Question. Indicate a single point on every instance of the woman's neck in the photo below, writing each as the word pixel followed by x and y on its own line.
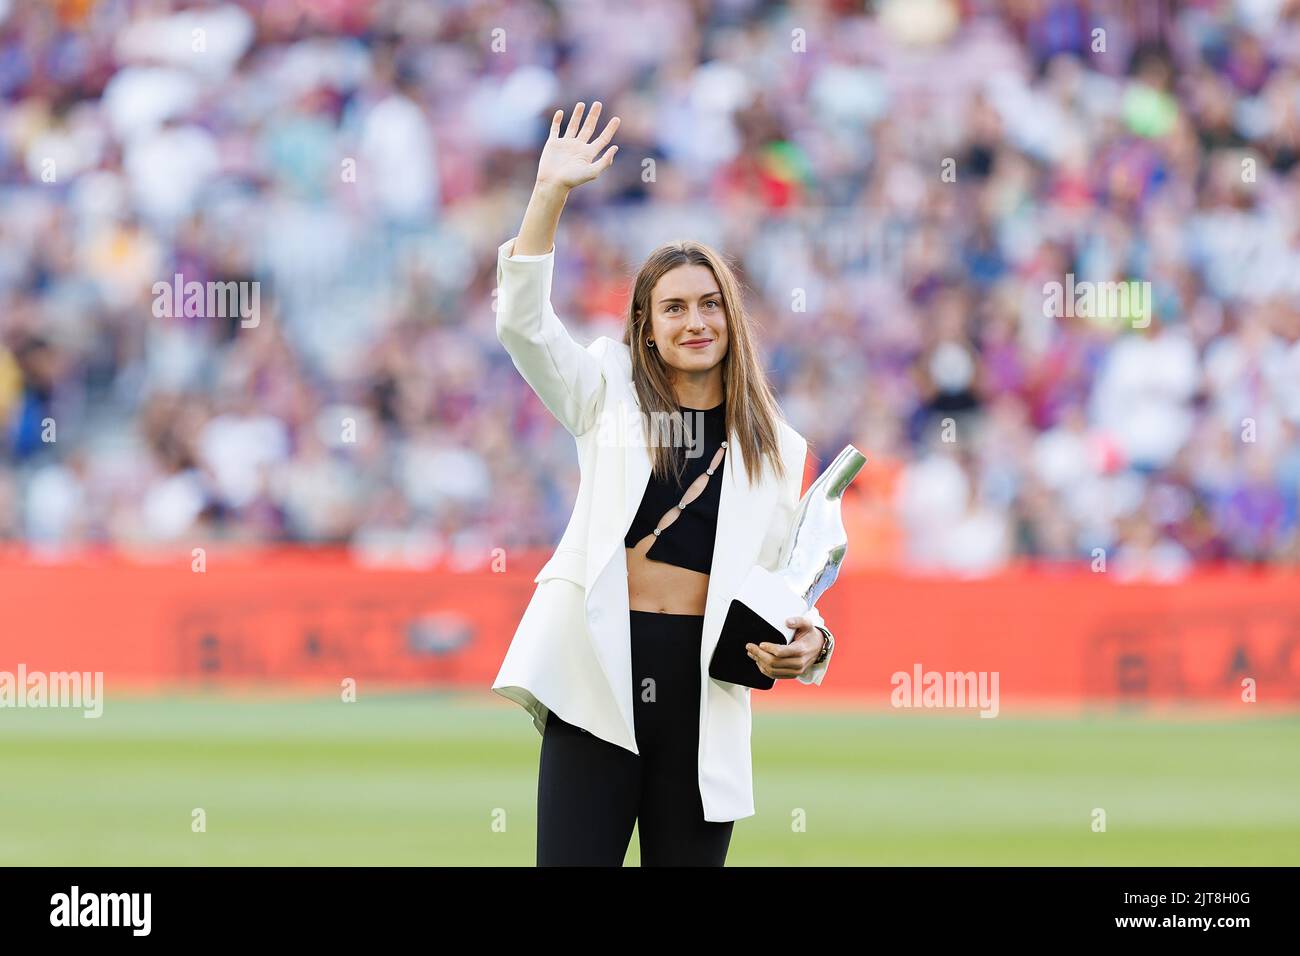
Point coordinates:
pixel 699 394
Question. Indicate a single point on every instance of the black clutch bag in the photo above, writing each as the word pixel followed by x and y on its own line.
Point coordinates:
pixel 730 661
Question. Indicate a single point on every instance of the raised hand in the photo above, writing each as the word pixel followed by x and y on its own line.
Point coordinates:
pixel 570 159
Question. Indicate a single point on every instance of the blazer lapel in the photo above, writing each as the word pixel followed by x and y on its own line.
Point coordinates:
pixel 737 542
pixel 608 617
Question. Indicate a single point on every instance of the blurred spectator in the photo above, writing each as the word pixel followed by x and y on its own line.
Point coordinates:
pixel 921 176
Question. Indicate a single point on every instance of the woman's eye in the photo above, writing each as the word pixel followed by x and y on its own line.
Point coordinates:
pixel 713 303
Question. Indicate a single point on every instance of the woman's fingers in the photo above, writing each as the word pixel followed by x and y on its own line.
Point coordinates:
pixel 589 126
pixel 603 139
pixel 772 666
pixel 777 660
pixel 575 118
pixel 559 160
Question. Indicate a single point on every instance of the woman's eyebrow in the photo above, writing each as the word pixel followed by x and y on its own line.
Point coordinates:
pixel 677 299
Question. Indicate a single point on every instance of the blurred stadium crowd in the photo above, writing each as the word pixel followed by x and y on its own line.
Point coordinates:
pixel 897 187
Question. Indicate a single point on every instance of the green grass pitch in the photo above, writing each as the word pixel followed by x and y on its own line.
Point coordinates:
pixel 431 779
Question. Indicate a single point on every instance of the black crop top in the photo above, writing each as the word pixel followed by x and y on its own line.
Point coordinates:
pixel 685 538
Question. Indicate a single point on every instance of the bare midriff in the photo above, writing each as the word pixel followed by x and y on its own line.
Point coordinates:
pixel 661 587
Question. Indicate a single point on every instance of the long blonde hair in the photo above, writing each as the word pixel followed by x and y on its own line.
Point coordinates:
pixel 752 411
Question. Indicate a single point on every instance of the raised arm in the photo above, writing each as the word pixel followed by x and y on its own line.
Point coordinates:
pixel 566 377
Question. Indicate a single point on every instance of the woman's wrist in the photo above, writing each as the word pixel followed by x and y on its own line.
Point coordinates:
pixel 827 643
pixel 537 234
pixel 552 190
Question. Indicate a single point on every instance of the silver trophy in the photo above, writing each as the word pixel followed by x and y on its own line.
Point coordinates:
pixel 808 564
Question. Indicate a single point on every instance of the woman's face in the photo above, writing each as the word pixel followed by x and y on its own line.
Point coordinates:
pixel 687 320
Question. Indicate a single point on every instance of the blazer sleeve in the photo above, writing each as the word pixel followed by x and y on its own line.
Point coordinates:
pixel 568 378
pixel 815 673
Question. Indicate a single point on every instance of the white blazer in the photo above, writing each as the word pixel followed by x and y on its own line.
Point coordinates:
pixel 571 652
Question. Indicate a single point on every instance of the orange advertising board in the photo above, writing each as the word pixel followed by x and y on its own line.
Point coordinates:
pixel 306 618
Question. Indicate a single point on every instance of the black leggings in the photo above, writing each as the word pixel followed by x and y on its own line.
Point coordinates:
pixel 590 792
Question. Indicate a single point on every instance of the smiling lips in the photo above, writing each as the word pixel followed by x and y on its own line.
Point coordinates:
pixel 697 343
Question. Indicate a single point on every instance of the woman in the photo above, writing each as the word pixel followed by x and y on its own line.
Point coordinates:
pixel 611 657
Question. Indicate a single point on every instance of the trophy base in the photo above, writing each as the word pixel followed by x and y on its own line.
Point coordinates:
pixel 757 614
